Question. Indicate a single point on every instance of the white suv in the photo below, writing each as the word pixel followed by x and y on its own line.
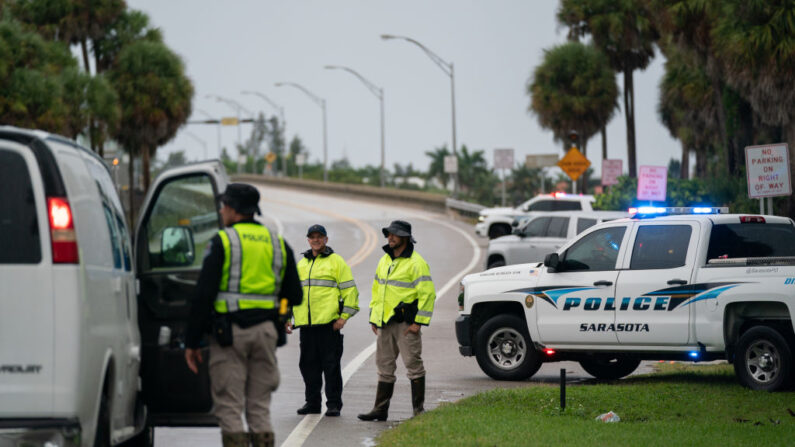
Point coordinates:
pixel 543 234
pixel 496 222
pixel 79 314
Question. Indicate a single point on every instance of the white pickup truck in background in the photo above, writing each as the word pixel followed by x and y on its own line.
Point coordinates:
pixel 697 286
pixel 496 222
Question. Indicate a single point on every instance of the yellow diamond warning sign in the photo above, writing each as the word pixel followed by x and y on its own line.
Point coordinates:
pixel 270 157
pixel 574 163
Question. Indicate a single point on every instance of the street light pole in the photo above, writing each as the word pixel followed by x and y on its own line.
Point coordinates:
pixel 447 68
pixel 322 103
pixel 235 105
pixel 379 93
pixel 284 125
pixel 218 127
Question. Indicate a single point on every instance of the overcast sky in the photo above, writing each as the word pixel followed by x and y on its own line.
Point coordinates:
pixel 233 46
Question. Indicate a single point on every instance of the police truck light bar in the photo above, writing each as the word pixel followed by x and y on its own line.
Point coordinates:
pixel 654 211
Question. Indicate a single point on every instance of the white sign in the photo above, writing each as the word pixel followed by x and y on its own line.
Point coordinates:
pixel 300 159
pixel 503 158
pixel 450 164
pixel 652 182
pixel 541 161
pixel 767 168
pixel 611 170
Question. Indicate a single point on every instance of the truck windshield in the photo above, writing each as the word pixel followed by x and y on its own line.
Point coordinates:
pixel 751 241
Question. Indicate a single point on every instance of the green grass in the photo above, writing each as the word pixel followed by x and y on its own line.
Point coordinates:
pixel 678 405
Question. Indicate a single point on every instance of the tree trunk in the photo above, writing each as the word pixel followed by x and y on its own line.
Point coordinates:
pixel 604 143
pixel 145 156
pixel 629 113
pixel 583 183
pixel 722 129
pixel 84 48
pixel 701 163
pixel 131 188
pixel 684 171
pixel 789 130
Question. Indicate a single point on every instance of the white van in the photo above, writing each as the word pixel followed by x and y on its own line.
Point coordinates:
pixel 543 233
pixel 81 311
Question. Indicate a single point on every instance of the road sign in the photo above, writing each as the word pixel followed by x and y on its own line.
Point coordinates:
pixel 652 183
pixel 574 164
pixel 767 168
pixel 503 158
pixel 541 161
pixel 270 157
pixel 611 170
pixel 229 121
pixel 300 159
pixel 450 164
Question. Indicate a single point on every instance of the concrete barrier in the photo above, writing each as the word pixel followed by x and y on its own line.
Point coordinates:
pixel 439 203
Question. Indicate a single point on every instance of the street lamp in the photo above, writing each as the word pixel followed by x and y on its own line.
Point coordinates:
pixel 322 103
pixel 379 93
pixel 202 142
pixel 218 127
pixel 235 105
pixel 284 124
pixel 447 68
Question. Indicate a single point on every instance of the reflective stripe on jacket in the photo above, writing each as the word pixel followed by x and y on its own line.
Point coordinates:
pixel 253 268
pixel 327 282
pixel 402 280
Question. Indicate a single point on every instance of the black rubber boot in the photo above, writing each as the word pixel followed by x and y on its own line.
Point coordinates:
pixel 381 409
pixel 418 395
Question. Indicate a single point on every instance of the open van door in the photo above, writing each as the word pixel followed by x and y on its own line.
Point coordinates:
pixel 178 219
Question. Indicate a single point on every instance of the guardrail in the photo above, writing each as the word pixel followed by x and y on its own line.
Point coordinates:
pixel 425 200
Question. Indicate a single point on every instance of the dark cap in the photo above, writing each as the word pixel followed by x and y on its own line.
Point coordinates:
pixel 399 228
pixel 316 229
pixel 242 198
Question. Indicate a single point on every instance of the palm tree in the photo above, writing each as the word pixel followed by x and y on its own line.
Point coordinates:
pixel 624 32
pixel 755 40
pixel 436 169
pixel 687 106
pixel 155 95
pixel 573 89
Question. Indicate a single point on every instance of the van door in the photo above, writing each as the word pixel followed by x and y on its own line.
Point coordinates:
pixel 27 368
pixel 178 219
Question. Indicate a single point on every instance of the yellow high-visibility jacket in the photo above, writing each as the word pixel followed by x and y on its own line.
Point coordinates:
pixel 329 289
pixel 405 279
pixel 253 268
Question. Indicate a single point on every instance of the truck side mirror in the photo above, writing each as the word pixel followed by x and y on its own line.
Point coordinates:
pixel 551 262
pixel 176 247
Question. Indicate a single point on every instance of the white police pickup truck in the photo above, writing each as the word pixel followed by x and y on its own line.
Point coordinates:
pixel 667 284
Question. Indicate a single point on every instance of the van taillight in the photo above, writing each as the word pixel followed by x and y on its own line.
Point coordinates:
pixel 752 219
pixel 62 231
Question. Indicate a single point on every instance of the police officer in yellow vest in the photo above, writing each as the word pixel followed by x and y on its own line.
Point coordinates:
pixel 402 301
pixel 247 268
pixel 330 298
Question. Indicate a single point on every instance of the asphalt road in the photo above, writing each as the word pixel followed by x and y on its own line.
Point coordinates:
pixel 451 249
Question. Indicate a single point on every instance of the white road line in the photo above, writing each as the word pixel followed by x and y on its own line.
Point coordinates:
pixel 301 432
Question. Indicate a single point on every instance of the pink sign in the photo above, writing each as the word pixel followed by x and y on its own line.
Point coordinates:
pixel 652 183
pixel 768 171
pixel 611 170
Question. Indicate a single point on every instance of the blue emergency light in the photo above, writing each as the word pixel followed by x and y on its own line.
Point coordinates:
pixel 656 211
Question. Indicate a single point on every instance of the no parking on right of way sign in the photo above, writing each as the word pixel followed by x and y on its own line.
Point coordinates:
pixel 768 169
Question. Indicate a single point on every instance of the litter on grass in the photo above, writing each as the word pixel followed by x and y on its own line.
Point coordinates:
pixel 608 417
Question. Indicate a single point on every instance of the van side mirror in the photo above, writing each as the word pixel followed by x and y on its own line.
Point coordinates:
pixel 552 262
pixel 176 247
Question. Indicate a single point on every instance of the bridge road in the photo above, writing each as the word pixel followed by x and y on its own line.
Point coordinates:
pixel 354 226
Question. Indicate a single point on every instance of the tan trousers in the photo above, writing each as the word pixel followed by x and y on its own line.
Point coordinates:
pixel 243 376
pixel 389 344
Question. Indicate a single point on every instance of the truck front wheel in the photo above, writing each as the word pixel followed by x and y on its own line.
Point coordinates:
pixel 763 359
pixel 504 350
pixel 610 368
